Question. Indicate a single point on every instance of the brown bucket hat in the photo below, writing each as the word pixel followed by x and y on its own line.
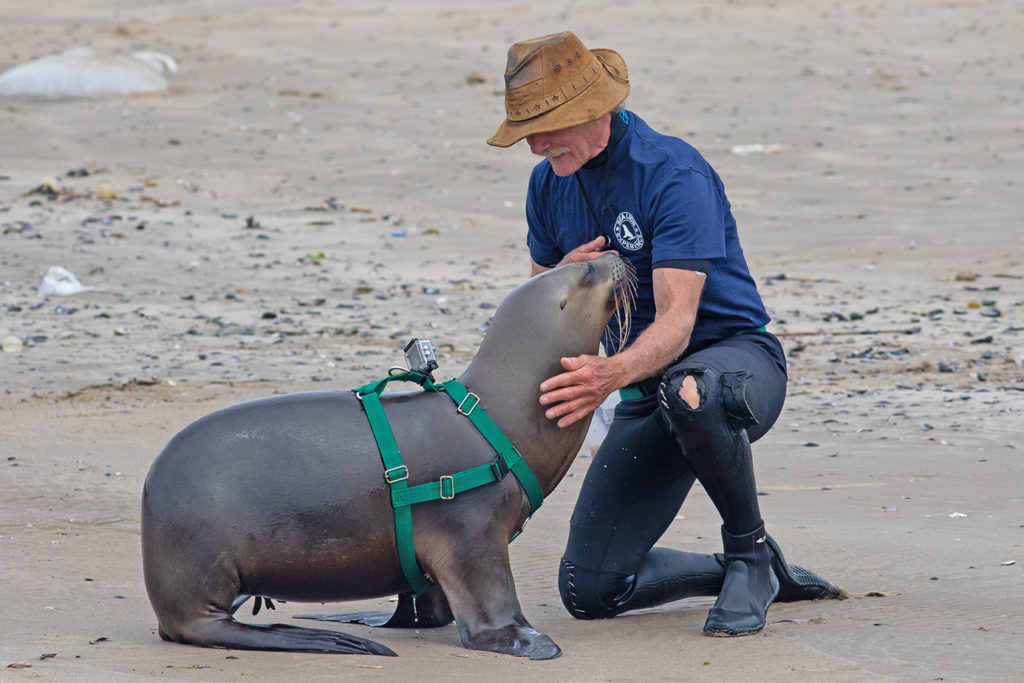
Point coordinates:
pixel 555 82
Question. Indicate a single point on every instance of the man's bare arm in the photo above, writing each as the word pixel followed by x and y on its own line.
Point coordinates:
pixel 588 380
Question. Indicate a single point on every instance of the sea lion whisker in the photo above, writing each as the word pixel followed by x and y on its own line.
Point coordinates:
pixel 625 301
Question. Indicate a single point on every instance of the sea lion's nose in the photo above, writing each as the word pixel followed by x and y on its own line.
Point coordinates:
pixel 618 270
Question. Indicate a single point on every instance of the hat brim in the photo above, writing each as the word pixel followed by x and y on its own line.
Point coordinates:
pixel 599 99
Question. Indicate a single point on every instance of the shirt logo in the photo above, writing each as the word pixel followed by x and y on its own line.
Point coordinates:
pixel 627 232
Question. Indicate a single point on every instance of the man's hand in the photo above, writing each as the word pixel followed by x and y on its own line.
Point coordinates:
pixel 587 380
pixel 577 392
pixel 586 252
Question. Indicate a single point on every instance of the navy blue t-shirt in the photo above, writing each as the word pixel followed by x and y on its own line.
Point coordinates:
pixel 662 206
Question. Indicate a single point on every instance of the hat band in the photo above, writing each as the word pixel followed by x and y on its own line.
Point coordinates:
pixel 568 91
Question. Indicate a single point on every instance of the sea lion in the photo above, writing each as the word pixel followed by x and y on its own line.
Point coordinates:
pixel 285 497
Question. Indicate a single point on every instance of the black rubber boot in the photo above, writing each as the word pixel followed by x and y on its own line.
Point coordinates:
pixel 667 575
pixel 797 583
pixel 749 588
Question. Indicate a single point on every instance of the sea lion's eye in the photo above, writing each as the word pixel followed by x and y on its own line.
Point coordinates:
pixel 589 274
pixel 562 303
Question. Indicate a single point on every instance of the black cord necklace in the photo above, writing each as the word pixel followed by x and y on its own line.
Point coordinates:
pixel 616 130
pixel 598 230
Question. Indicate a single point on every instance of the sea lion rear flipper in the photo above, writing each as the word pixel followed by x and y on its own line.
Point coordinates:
pixel 235 635
pixel 256 605
pixel 238 602
pixel 430 610
pixel 364 618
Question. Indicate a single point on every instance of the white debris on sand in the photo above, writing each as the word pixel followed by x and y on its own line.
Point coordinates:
pixel 82 72
pixel 61 281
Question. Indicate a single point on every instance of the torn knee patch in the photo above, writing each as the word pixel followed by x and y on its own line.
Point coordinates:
pixel 693 392
pixel 689 393
pixel 684 392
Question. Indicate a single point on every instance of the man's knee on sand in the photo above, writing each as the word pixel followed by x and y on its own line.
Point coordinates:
pixel 588 593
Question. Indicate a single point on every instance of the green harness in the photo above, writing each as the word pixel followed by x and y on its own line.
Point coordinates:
pixel 397 475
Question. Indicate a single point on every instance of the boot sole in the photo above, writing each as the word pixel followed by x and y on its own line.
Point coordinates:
pixel 732 634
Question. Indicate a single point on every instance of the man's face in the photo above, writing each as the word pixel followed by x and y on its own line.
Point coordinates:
pixel 569 148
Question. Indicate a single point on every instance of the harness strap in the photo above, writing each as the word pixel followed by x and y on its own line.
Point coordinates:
pixel 469 406
pixel 396 474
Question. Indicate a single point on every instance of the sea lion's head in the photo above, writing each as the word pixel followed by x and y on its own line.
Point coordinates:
pixel 565 311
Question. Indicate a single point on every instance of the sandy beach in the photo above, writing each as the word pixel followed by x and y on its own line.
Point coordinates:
pixel 313 189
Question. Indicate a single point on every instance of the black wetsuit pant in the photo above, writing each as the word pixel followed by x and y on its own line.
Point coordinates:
pixel 656 447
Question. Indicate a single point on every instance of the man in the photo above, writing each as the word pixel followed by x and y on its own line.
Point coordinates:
pixel 700 377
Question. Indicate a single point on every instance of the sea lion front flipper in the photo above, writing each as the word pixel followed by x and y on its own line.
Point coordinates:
pixel 430 610
pixel 487 612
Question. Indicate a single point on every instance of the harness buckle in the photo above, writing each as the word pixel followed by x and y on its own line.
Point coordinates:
pixel 403 474
pixel 476 402
pixel 451 487
pixel 500 468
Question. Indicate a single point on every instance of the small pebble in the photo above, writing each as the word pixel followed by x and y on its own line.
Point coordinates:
pixel 105 191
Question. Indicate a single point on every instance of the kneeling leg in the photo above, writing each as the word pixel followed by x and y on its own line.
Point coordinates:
pixel 632 492
pixel 709 414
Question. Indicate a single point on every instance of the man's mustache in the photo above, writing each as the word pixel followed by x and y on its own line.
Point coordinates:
pixel 554 152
